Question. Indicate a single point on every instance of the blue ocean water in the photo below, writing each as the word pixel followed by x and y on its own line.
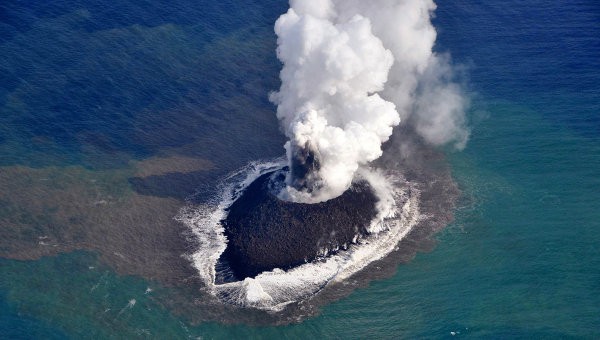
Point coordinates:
pixel 14 325
pixel 98 84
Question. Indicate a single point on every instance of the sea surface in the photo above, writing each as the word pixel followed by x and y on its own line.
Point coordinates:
pixel 101 100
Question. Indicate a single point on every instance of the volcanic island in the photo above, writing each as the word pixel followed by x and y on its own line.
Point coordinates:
pixel 265 232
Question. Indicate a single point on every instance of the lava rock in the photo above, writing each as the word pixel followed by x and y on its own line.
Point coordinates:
pixel 265 232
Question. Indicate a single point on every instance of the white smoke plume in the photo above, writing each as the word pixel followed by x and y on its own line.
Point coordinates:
pixel 352 70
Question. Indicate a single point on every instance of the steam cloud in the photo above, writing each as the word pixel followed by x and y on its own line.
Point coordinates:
pixel 353 69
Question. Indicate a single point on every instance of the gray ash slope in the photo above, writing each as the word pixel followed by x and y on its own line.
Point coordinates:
pixel 265 232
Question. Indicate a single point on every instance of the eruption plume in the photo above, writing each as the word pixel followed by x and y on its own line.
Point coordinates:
pixel 352 69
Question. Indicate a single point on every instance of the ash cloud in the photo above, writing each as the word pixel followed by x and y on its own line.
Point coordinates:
pixel 352 71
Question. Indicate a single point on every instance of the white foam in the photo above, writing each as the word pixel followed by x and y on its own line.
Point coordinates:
pixel 398 212
pixel 205 220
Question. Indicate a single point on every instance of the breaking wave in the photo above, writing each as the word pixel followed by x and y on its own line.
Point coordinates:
pixel 398 213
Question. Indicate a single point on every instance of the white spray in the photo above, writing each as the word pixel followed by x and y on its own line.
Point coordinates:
pixel 352 70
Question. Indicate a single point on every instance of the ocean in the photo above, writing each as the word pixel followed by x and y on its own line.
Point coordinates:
pixel 102 102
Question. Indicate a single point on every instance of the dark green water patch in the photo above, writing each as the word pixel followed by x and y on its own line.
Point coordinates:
pixel 84 299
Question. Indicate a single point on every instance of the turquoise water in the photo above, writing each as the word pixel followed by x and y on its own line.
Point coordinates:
pixel 520 261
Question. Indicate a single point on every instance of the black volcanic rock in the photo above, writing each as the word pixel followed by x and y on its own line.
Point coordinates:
pixel 265 232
